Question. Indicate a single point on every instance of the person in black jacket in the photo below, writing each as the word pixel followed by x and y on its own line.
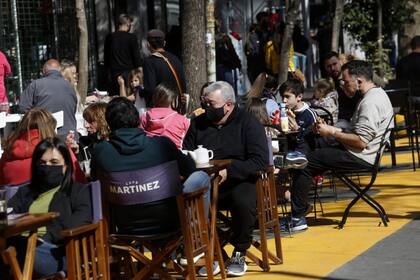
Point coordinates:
pixel 233 134
pixel 156 69
pixel 52 190
pixel 121 53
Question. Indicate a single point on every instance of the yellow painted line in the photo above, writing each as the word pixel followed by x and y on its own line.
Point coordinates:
pixel 322 248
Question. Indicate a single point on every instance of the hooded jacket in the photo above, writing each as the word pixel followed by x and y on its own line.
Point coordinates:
pixel 15 165
pixel 130 149
pixel 5 71
pixel 165 122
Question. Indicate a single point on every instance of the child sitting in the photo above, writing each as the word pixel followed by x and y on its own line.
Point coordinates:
pixel 326 97
pixel 301 119
pixel 163 120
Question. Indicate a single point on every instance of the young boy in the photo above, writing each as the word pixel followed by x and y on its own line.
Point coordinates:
pixel 301 119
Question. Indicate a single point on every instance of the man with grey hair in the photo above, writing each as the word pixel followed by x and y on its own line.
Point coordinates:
pixel 53 93
pixel 121 53
pixel 232 134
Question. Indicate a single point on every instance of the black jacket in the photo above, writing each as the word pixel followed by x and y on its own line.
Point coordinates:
pixel 75 210
pixel 157 71
pixel 242 138
pixel 121 52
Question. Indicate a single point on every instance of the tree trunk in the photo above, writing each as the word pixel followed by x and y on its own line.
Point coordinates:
pixel 83 49
pixel 211 42
pixel 193 53
pixel 291 16
pixel 380 47
pixel 336 28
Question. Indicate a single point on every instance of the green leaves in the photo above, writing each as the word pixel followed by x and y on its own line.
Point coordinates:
pixel 360 18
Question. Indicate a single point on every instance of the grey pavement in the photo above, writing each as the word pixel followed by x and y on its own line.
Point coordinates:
pixel 395 257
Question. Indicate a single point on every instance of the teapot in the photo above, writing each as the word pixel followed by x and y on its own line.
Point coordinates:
pixel 201 155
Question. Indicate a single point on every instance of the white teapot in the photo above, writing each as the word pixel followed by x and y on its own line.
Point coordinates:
pixel 201 155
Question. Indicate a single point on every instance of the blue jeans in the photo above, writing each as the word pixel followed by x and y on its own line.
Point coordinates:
pixel 49 259
pixel 198 180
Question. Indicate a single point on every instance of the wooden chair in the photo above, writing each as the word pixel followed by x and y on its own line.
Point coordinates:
pixel 86 249
pixel 267 215
pixel 161 247
pixel 267 220
pixel 195 230
pixel 86 246
pixel 195 237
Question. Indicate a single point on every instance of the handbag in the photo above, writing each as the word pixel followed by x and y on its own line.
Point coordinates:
pixel 181 108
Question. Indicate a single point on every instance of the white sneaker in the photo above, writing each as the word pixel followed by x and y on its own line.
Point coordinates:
pixel 236 266
pixel 183 260
pixel 203 271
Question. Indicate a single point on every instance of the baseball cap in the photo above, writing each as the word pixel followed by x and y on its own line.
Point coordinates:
pixel 155 33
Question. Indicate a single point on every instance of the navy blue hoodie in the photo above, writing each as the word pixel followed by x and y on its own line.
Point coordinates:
pixel 130 149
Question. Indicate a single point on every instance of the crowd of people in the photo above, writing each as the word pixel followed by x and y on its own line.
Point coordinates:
pixel 143 132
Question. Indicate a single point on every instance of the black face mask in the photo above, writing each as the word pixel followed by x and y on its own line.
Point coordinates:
pixel 48 176
pixel 215 114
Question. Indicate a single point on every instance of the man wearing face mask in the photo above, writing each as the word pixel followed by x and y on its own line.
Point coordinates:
pixel 232 134
pixel 358 146
pixel 51 190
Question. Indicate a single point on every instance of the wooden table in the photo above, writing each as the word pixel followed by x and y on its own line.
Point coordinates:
pixel 16 227
pixel 215 167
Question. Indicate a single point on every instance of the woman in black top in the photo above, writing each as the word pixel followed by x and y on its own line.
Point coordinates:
pixel 52 190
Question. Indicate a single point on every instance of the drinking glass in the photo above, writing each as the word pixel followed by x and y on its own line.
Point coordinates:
pixel 3 207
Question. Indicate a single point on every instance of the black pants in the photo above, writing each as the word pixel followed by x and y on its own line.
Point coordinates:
pixel 240 199
pixel 319 161
pixel 113 86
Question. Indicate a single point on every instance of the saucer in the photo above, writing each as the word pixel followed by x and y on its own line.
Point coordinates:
pixel 204 165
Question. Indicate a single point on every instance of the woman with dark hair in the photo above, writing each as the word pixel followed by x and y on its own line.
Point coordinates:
pixel 52 190
pixel 163 119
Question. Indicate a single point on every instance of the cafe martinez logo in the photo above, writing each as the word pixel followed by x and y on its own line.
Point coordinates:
pixel 132 187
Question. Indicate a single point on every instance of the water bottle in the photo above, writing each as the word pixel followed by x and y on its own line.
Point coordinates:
pixel 284 119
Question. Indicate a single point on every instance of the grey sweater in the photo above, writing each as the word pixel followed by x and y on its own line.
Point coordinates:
pixel 53 93
pixel 369 122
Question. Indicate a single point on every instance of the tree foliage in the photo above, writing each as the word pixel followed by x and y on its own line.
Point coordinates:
pixel 360 18
pixel 361 21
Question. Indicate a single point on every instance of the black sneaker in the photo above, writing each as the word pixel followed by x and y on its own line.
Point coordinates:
pixel 236 266
pixel 293 224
